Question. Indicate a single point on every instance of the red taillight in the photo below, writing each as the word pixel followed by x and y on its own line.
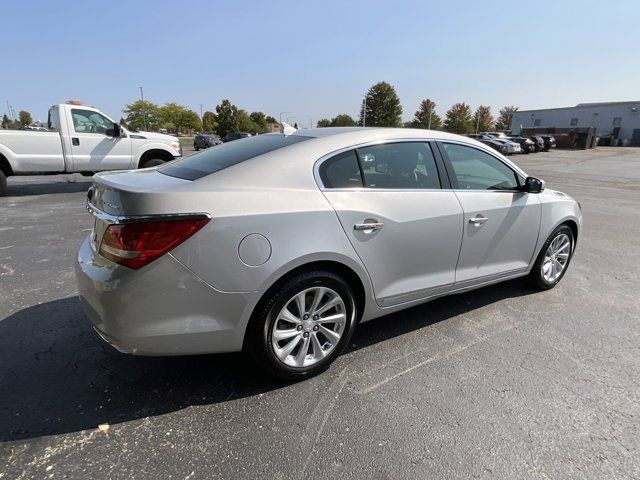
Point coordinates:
pixel 136 244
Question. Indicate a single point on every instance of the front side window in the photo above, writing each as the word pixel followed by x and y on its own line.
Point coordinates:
pixel 474 169
pixel 409 165
pixel 87 121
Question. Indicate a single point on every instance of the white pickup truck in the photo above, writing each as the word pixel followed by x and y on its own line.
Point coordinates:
pixel 83 140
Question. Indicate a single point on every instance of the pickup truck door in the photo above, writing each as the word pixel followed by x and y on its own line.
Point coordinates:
pixel 92 150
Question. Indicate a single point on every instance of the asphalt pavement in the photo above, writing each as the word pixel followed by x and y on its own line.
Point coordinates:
pixel 501 383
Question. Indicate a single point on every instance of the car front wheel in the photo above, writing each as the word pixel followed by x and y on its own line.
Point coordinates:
pixel 303 326
pixel 554 258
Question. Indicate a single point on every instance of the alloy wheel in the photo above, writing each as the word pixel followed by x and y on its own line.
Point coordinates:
pixel 309 327
pixel 556 258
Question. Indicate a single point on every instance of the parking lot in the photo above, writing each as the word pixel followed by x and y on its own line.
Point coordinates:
pixel 503 382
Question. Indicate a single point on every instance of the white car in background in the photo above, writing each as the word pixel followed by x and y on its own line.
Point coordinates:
pixel 511 147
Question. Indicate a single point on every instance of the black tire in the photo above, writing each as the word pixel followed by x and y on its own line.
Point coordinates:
pixel 259 331
pixel 152 162
pixel 3 184
pixel 196 148
pixel 536 278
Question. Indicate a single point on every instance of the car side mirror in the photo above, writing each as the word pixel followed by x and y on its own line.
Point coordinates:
pixel 533 185
pixel 114 131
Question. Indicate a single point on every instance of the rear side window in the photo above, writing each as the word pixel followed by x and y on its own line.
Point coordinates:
pixel 226 155
pixel 341 171
pixel 409 165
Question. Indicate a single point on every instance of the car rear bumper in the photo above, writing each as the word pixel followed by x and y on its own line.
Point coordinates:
pixel 161 309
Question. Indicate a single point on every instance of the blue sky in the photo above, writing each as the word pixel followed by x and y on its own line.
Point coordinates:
pixel 317 59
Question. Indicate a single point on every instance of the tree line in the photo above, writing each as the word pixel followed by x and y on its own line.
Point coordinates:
pixel 24 119
pixel 146 115
pixel 381 108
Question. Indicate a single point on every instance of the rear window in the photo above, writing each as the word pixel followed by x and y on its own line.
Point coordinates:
pixel 228 154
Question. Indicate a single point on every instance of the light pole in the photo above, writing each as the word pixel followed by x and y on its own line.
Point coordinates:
pixel 364 112
pixel 430 114
pixel 282 113
pixel 144 112
pixel 201 111
pixel 477 123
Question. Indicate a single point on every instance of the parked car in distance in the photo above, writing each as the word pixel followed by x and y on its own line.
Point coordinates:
pixel 83 140
pixel 205 141
pixel 526 144
pixel 549 142
pixel 497 146
pixel 235 136
pixel 538 142
pixel 498 135
pixel 281 244
pixel 511 147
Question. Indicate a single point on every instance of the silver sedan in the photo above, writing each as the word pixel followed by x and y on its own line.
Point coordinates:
pixel 280 244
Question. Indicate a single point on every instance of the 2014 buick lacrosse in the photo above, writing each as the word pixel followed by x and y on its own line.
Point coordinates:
pixel 280 244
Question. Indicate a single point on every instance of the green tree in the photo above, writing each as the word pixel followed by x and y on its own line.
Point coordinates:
pixel 6 122
pixel 24 118
pixel 426 116
pixel 227 115
pixel 458 119
pixel 245 124
pixel 504 119
pixel 260 121
pixel 482 119
pixel 343 120
pixel 136 112
pixel 209 122
pixel 383 107
pixel 324 122
pixel 271 119
pixel 179 118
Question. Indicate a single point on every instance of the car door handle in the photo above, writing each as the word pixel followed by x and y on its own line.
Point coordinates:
pixel 75 141
pixel 478 220
pixel 368 226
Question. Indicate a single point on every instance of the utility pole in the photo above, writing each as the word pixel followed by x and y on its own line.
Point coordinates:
pixel 9 110
pixel 282 113
pixel 364 112
pixel 144 112
pixel 477 123
pixel 200 111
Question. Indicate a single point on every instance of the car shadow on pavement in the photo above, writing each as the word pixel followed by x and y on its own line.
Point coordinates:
pixel 26 189
pixel 57 376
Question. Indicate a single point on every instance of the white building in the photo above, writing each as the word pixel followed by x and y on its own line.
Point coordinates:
pixel 618 120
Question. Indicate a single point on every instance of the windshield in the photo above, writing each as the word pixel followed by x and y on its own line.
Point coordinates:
pixel 215 159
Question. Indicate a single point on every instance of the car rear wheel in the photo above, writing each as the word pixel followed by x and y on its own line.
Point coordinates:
pixel 304 326
pixel 196 148
pixel 554 258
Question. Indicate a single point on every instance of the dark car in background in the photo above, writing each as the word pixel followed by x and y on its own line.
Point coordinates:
pixel 538 142
pixel 235 136
pixel 205 141
pixel 526 144
pixel 549 142
pixel 497 146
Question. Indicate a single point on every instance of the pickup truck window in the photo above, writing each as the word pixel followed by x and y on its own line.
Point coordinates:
pixel 87 121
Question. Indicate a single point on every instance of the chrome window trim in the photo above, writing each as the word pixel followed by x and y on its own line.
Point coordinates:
pixel 318 163
pixel 120 219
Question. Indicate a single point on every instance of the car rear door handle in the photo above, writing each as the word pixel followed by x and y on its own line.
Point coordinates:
pixel 368 226
pixel 478 220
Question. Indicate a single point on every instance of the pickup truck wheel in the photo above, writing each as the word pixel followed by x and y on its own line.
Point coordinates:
pixel 3 183
pixel 152 162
